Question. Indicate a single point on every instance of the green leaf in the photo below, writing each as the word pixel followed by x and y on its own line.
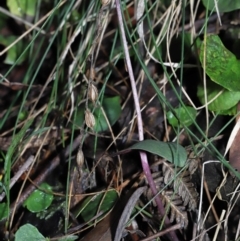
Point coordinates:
pixel 222 65
pixel 171 151
pixel 3 211
pixel 223 5
pixel 22 7
pixel 224 103
pixel 231 111
pixel 39 200
pixel 23 115
pixel 112 108
pixel 102 202
pixel 15 51
pixel 183 116
pixel 75 16
pixel 28 232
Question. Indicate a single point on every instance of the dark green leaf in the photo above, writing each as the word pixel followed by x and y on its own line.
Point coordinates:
pixel 223 5
pixel 112 108
pixel 28 232
pixel 222 65
pixel 3 211
pixel 100 202
pixel 172 152
pixel 183 116
pixel 39 200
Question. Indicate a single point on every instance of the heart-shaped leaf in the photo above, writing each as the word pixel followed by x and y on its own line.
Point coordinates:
pixel 39 200
pixel 28 232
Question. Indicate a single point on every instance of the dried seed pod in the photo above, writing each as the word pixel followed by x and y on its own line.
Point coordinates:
pixel 105 2
pixel 80 158
pixel 92 74
pixel 89 119
pixel 92 92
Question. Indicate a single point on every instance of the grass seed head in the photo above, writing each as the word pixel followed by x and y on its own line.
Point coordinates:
pixel 92 93
pixel 80 158
pixel 105 2
pixel 89 119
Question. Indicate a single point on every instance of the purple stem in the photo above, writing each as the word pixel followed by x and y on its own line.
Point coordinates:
pixel 143 155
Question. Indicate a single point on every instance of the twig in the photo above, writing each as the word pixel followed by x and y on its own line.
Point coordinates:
pixel 143 155
pixel 23 169
pixel 156 235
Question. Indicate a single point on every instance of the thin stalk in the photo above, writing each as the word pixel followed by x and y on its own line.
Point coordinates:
pixel 143 155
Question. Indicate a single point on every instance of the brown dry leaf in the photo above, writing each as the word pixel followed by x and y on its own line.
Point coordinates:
pixel 115 221
pixel 101 232
pixel 19 86
pixel 234 152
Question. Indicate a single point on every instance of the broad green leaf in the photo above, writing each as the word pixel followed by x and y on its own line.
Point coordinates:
pixel 3 211
pixel 39 200
pixel 22 7
pixel 171 151
pixel 223 5
pixel 224 104
pixel 222 65
pixel 112 108
pixel 183 116
pixel 101 202
pixel 28 232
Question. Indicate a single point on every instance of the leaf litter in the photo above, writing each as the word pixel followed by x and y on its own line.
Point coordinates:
pixel 44 90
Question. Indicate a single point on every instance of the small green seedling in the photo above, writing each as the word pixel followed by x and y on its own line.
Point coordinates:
pixel 185 116
pixel 39 200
